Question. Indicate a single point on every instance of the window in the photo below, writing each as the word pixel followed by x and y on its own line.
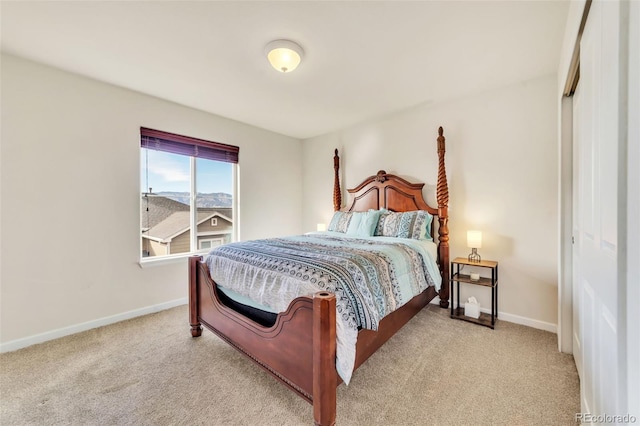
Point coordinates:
pixel 187 193
pixel 210 243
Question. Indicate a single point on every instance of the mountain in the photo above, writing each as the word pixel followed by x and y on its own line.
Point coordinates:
pixel 215 199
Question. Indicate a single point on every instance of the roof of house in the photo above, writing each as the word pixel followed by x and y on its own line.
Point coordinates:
pixel 179 222
pixel 156 209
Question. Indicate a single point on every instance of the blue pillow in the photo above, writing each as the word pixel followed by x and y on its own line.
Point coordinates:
pixel 354 223
pixel 426 235
pixel 425 229
pixel 363 224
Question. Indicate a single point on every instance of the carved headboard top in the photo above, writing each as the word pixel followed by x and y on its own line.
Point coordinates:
pixel 388 191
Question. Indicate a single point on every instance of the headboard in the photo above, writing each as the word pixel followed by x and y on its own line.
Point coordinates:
pixel 388 191
pixel 392 192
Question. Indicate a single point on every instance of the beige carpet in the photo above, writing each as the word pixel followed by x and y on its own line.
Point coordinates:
pixel 149 371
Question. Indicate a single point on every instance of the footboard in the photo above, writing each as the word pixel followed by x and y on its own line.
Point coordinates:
pixel 299 349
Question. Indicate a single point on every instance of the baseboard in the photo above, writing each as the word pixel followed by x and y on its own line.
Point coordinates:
pixel 14 345
pixel 517 319
pixel 529 322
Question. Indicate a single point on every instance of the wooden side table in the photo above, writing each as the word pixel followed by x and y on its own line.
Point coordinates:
pixel 457 278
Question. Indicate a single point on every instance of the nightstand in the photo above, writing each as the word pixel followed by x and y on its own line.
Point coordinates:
pixel 457 265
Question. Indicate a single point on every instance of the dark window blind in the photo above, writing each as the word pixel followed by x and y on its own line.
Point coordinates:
pixel 185 145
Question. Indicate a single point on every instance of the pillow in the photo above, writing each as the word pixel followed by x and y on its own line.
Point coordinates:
pixel 340 222
pixel 363 224
pixel 383 215
pixel 354 223
pixel 427 227
pixel 415 225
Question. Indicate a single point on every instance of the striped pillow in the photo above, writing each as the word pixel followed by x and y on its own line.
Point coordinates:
pixel 415 225
pixel 383 215
pixel 340 222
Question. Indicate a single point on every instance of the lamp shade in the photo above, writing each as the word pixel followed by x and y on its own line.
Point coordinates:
pixel 284 55
pixel 474 239
pixel 321 227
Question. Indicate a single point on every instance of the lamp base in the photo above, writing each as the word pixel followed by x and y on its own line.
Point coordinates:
pixel 474 256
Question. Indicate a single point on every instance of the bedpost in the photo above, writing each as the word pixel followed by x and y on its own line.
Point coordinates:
pixel 337 194
pixel 442 195
pixel 325 378
pixel 196 328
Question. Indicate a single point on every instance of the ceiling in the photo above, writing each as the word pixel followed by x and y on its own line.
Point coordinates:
pixel 362 59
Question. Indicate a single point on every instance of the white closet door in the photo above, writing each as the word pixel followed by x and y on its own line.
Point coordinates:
pixel 597 234
pixel 576 289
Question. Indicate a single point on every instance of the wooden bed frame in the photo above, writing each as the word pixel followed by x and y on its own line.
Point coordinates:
pixel 300 348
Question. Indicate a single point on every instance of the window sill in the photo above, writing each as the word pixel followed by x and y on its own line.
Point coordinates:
pixel 149 262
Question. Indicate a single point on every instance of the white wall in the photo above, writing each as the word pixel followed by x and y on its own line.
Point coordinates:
pixel 502 169
pixel 70 183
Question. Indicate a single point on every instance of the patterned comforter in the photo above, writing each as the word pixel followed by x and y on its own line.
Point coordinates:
pixel 371 277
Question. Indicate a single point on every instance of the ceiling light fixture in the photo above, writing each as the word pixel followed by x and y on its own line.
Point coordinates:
pixel 284 55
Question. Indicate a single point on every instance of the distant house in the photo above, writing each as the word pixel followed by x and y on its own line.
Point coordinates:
pixel 166 223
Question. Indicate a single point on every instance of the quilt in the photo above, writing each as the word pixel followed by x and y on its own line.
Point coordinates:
pixel 371 277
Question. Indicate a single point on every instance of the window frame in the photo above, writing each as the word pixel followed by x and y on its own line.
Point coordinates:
pixel 222 152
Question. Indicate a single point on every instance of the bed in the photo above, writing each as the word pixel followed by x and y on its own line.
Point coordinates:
pixel 298 346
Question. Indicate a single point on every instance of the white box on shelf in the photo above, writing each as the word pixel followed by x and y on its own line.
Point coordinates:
pixel 472 308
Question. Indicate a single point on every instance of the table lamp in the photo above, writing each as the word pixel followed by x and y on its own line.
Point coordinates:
pixel 474 241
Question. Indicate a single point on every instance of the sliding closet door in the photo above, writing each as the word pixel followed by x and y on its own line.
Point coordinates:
pixel 596 237
pixel 576 289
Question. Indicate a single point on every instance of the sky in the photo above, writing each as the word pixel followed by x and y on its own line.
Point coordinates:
pixel 170 172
